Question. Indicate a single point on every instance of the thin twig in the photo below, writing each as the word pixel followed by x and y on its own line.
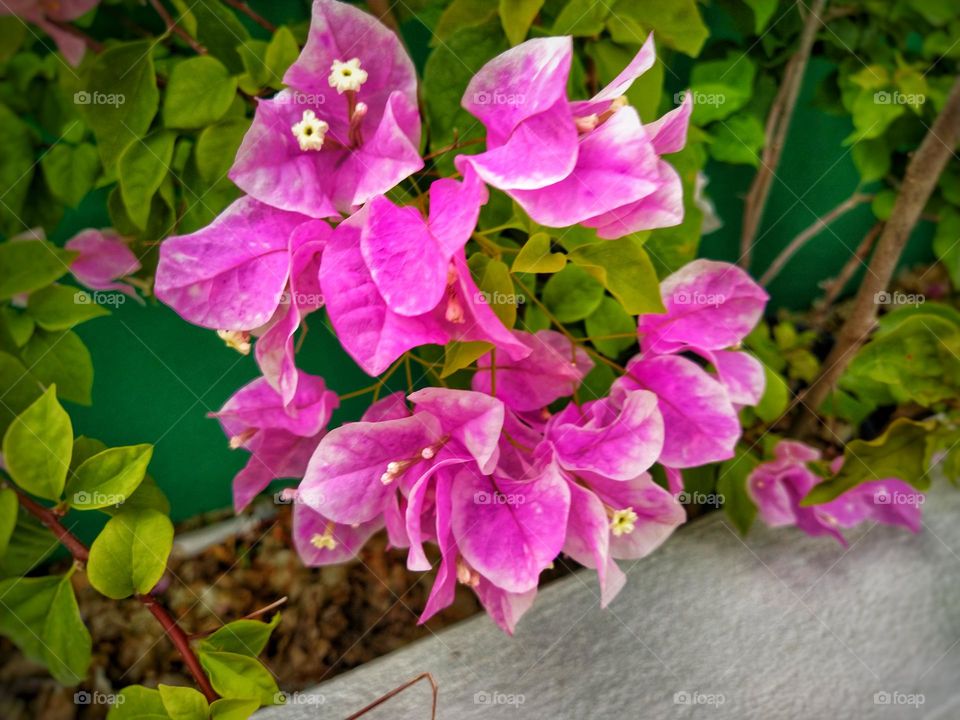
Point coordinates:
pixel 455 145
pixel 778 122
pixel 921 177
pixel 833 288
pixel 252 14
pixel 396 691
pixel 81 555
pixel 176 29
pixel 808 234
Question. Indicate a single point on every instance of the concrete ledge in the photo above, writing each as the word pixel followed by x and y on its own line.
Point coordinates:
pixel 778 626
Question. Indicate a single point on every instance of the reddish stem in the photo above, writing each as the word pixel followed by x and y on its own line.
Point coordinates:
pixel 176 29
pixel 81 554
pixel 252 14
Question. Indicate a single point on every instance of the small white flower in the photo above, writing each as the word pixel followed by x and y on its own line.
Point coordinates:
pixel 310 131
pixel 323 542
pixel 236 339
pixel 623 522
pixel 347 76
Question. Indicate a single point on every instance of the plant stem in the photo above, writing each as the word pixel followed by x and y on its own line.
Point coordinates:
pixel 81 554
pixel 778 122
pixel 808 234
pixel 172 27
pixel 921 177
pixel 833 288
pixel 252 14
pixel 455 145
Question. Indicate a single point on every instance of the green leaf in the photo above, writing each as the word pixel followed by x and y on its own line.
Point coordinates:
pixel 496 287
pixel 872 158
pixel 61 359
pixel 16 170
pixel 199 93
pixel 239 676
pixel 139 703
pixel 17 324
pixel 233 709
pixel 581 18
pixel 776 396
pixel 41 616
pixel 458 355
pixel 517 16
pixel 535 256
pixel 882 204
pixel 898 453
pixel 245 637
pixel 448 70
pixel 282 52
pixel 70 172
pixel 611 319
pixel 29 547
pixel 29 265
pixel 60 307
pixel 19 389
pixel 217 147
pixel 120 97
pixel 572 294
pixel 624 268
pixel 597 382
pixel 462 14
pixel 738 140
pixel 946 243
pixel 762 12
pixel 141 169
pixel 732 485
pixel 8 517
pixel 919 359
pixel 148 496
pixel 183 703
pixel 109 477
pixel 216 27
pixel 130 554
pixel 721 87
pixel 676 24
pixel 37 447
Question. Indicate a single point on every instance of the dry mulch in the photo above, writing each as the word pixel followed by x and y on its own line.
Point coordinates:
pixel 335 618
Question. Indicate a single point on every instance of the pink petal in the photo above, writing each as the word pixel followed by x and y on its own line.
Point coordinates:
pixel 308 524
pixel 275 454
pixel 588 541
pixel 103 257
pixel 258 405
pixel 669 132
pixel 505 608
pixel 471 419
pixel 661 208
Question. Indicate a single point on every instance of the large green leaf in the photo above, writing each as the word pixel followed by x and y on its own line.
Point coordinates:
pixel 898 453
pixel 624 268
pixel 61 359
pixel 676 24
pixel 496 287
pixel 919 360
pixel 138 703
pixel 70 172
pixel 183 703
pixel 239 676
pixel 246 637
pixel 120 97
pixel 130 554
pixel 721 87
pixel 517 16
pixel 217 147
pixel 37 447
pixel 581 18
pixel 26 266
pixel 141 169
pixel 608 321
pixel 572 294
pixel 60 307
pixel 535 256
pixel 41 616
pixel 199 93
pixel 16 169
pixel 109 477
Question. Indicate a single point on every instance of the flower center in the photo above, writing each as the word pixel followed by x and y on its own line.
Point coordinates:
pixel 623 522
pixel 310 131
pixel 396 468
pixel 347 76
pixel 239 340
pixel 240 439
pixel 326 540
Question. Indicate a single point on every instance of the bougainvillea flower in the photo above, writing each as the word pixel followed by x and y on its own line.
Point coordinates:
pixel 346 128
pixel 321 541
pixel 102 259
pixel 700 423
pixel 778 486
pixel 281 438
pixel 709 305
pixel 554 369
pixel 253 269
pixel 393 281
pixel 565 162
pixel 48 16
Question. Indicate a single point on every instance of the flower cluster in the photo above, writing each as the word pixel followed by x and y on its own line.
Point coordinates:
pixel 505 476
